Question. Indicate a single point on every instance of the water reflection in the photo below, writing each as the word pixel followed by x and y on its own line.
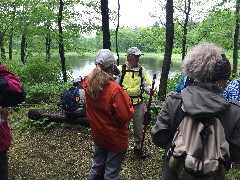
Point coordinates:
pixel 82 65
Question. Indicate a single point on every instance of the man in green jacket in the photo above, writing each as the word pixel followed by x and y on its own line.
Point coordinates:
pixel 135 81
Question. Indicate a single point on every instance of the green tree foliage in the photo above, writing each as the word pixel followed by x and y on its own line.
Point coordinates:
pixel 36 19
pixel 7 16
pixel 214 24
pixel 39 18
pixel 148 39
pixel 218 27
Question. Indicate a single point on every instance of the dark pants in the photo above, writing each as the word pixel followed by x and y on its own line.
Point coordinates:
pixel 3 166
pixel 80 112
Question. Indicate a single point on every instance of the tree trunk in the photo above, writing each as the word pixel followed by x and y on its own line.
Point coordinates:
pixel 236 39
pixel 10 46
pixel 105 24
pixel 48 47
pixel 23 47
pixel 3 56
pixel 36 114
pixel 61 45
pixel 184 37
pixel 168 50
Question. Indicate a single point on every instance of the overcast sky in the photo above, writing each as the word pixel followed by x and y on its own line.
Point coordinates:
pixel 134 13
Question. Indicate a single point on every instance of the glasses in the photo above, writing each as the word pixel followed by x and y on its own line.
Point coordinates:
pixel 136 56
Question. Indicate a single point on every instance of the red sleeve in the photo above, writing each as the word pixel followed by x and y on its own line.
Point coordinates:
pixel 123 106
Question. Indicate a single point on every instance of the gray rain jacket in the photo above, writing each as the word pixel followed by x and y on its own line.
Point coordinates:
pixel 200 100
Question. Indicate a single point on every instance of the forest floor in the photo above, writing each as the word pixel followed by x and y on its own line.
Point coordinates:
pixel 64 152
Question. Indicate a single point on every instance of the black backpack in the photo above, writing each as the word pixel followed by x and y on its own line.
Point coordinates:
pixel 70 99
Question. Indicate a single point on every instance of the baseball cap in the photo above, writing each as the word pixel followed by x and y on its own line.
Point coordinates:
pixel 78 79
pixel 134 51
pixel 104 57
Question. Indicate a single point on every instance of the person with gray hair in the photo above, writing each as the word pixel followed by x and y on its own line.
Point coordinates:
pixel 209 67
pixel 109 110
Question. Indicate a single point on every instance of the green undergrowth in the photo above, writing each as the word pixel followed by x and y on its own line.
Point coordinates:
pixel 64 151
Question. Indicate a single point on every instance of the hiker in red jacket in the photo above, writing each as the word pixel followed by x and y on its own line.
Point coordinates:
pixel 109 110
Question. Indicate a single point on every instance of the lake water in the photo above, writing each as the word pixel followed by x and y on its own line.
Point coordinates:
pixel 82 65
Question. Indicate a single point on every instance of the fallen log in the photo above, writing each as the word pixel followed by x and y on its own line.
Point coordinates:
pixel 59 117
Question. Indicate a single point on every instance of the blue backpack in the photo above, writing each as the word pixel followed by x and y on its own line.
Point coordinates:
pixel 70 99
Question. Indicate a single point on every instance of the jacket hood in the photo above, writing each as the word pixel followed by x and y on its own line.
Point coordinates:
pixel 203 100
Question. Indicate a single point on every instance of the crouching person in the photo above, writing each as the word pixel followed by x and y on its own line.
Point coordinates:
pixel 74 100
pixel 109 110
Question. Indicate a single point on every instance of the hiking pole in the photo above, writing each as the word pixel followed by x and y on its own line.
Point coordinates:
pixel 147 115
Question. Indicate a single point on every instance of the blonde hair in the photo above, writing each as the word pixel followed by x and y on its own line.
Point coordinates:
pixel 97 80
pixel 200 63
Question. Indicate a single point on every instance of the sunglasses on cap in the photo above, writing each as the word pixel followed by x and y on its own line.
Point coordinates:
pixel 136 56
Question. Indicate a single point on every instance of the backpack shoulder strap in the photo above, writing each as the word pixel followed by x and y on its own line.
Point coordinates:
pixel 140 74
pixel 140 71
pixel 123 74
pixel 175 95
pixel 76 91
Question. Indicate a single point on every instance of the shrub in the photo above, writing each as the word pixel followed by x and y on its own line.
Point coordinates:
pixel 45 92
pixel 42 80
